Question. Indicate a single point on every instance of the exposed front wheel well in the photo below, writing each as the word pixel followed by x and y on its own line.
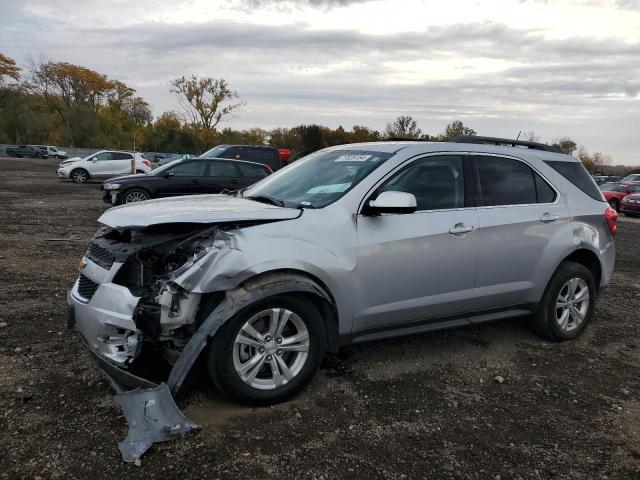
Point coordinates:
pixel 590 260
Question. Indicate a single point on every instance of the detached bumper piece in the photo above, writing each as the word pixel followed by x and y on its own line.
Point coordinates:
pixel 152 416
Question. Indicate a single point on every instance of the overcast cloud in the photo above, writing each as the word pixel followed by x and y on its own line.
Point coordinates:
pixel 559 68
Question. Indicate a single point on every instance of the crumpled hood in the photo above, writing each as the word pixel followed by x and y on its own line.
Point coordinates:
pixel 194 209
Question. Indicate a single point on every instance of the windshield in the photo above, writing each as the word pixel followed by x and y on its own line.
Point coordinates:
pixel 318 179
pixel 612 187
pixel 214 152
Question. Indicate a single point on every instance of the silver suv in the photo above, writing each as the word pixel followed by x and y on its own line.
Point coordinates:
pixel 349 244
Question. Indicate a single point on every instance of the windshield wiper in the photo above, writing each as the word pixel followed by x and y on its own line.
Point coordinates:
pixel 266 199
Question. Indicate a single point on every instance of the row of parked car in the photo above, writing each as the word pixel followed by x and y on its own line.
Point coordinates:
pixel 223 168
pixel 623 196
pixel 36 151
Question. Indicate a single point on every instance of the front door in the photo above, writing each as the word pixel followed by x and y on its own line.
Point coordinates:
pixel 102 165
pixel 186 178
pixel 419 266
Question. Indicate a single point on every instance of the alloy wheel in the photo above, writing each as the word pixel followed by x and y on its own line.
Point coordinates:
pixel 135 197
pixel 572 304
pixel 271 348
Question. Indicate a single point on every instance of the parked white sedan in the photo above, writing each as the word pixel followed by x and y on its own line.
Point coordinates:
pixel 102 164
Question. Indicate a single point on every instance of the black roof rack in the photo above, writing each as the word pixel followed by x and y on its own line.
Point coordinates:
pixel 505 142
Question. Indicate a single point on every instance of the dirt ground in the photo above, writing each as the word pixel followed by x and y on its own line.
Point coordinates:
pixel 426 406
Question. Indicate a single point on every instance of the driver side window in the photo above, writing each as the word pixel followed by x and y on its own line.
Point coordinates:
pixel 436 182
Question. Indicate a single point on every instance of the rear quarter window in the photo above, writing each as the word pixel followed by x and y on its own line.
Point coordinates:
pixel 253 171
pixel 578 176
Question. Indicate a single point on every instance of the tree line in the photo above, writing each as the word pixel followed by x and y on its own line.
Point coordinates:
pixel 70 105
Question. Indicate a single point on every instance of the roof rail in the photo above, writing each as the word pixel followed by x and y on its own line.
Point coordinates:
pixel 505 142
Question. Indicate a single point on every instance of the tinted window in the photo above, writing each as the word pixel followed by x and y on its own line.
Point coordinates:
pixel 266 157
pixel 189 169
pixel 436 182
pixel 222 169
pixel 254 171
pixel 577 174
pixel 546 194
pixel 504 181
pixel 634 188
pixel 121 156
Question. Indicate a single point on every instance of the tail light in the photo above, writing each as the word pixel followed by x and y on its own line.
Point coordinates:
pixel 147 163
pixel 611 216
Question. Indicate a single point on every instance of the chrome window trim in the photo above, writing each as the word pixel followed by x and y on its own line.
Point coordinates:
pixel 458 153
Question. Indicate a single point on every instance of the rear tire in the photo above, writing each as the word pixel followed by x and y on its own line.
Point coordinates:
pixel 79 175
pixel 278 365
pixel 567 304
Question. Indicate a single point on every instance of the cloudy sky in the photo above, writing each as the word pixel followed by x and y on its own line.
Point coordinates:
pixel 558 67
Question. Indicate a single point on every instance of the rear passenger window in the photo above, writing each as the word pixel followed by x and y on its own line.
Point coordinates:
pixel 188 169
pixel 253 171
pixel 223 169
pixel 504 181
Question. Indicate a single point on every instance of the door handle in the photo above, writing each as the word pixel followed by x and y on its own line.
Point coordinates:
pixel 547 217
pixel 459 228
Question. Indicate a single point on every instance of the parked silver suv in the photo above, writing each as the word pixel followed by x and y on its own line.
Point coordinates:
pixel 349 244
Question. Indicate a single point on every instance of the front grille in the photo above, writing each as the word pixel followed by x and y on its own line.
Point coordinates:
pixel 99 255
pixel 87 287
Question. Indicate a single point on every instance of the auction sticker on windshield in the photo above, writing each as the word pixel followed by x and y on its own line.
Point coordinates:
pixel 353 158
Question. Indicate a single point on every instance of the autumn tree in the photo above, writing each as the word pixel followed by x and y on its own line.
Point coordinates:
pixel 565 145
pixel 404 127
pixel 206 101
pixel 8 68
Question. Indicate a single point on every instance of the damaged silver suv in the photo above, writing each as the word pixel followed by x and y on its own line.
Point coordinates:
pixel 349 244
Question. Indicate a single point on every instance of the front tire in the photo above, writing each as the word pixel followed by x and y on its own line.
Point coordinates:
pixel 79 175
pixel 267 352
pixel 135 195
pixel 567 304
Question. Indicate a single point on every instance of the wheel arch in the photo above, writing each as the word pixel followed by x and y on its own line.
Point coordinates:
pixel 256 288
pixel 588 259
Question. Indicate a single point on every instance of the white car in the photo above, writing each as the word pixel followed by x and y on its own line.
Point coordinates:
pixel 54 152
pixel 102 164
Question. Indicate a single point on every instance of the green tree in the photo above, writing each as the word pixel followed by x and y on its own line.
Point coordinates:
pixel 404 127
pixel 455 129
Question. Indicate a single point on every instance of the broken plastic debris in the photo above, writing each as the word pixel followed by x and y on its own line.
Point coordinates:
pixel 152 416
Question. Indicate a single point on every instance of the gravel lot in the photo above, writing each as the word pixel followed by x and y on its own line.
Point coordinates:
pixel 428 406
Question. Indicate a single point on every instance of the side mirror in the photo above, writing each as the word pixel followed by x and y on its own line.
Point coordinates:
pixel 392 202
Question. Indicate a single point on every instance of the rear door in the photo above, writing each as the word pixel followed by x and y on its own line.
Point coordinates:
pixel 121 163
pixel 520 216
pixel 222 175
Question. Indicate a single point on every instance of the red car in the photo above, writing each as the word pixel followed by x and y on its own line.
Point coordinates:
pixel 615 192
pixel 630 205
